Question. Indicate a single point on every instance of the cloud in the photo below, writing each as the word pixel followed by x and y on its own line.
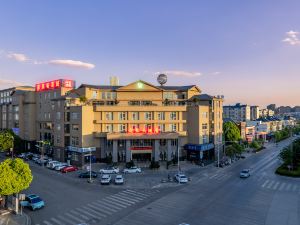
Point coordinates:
pixel 216 73
pixel 72 63
pixel 292 38
pixel 62 62
pixel 10 83
pixel 180 73
pixel 18 57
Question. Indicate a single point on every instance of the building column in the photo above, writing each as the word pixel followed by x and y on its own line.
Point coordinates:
pixel 128 151
pixel 169 150
pixel 155 151
pixel 115 151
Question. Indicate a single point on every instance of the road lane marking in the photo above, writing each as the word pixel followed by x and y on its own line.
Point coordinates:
pixel 295 187
pixel 121 200
pixel 68 221
pixel 78 214
pixel 137 193
pixel 265 183
pixel 288 187
pixel 131 197
pixel 73 217
pixel 276 185
pixel 82 211
pixel 47 223
pixel 93 212
pixel 270 184
pixel 56 221
pixel 281 186
pixel 114 203
pixel 100 210
pixel 127 198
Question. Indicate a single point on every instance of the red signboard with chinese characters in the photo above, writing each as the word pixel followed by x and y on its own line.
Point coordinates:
pixel 144 131
pixel 54 84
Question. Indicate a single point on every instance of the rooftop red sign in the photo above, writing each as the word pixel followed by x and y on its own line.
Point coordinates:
pixel 54 84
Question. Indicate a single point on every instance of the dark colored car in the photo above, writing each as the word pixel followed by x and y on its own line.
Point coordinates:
pixel 68 169
pixel 87 174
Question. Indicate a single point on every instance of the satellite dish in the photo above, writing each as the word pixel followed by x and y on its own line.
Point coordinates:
pixel 162 79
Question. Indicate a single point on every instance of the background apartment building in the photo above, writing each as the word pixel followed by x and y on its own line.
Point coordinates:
pixel 254 112
pixel 238 112
pixel 138 121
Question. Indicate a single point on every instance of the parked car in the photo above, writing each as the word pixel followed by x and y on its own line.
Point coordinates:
pixel 60 166
pixel 245 173
pixel 133 169
pixel 105 179
pixel 87 174
pixel 68 169
pixel 53 164
pixel 119 179
pixel 109 170
pixel 181 178
pixel 33 201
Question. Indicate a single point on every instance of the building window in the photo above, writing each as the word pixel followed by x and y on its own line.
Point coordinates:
pixel 103 95
pixel 161 127
pixel 74 141
pixel 161 116
pixel 58 104
pixel 108 95
pixel 205 139
pixel 58 127
pixel 148 116
pixel 75 127
pixel 122 115
pixel 52 105
pixel 174 142
pixel 74 156
pixel 122 128
pixel 94 94
pixel 205 115
pixel 58 139
pixel 135 116
pixel 204 126
pixel 75 115
pixel 173 127
pixel 109 116
pixel 162 142
pixel 109 128
pixel 58 115
pixel 173 115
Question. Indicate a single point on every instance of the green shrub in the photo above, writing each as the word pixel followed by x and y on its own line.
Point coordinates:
pixel 284 171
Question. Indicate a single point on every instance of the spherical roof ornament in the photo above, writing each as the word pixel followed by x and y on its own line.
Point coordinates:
pixel 162 79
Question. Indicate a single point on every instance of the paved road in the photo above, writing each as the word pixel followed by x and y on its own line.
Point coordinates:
pixel 223 198
pixel 215 196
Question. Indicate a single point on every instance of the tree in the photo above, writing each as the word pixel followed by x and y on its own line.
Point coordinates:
pixel 238 148
pixel 230 151
pixel 83 99
pixel 15 176
pixel 231 132
pixel 6 140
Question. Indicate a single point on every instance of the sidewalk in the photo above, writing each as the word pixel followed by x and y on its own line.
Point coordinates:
pixel 12 219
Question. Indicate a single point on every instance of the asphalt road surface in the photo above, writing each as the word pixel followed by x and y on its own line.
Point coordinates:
pixel 215 196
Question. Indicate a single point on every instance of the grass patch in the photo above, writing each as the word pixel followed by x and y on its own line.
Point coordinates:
pixel 284 171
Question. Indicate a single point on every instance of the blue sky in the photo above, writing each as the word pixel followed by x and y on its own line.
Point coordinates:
pixel 228 47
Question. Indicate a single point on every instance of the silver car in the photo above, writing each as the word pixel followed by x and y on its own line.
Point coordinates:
pixel 119 179
pixel 105 179
pixel 245 173
pixel 181 178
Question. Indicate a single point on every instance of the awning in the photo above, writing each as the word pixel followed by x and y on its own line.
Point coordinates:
pixel 202 147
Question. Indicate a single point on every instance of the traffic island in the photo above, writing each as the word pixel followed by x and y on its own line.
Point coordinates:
pixel 285 170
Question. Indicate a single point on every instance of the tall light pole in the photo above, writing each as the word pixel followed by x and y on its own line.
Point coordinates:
pixel 90 165
pixel 178 155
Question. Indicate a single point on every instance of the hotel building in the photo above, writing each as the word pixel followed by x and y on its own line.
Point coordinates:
pixel 138 121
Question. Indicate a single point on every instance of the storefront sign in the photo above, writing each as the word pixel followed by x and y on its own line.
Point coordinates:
pixel 203 147
pixel 136 130
pixel 141 148
pixel 54 84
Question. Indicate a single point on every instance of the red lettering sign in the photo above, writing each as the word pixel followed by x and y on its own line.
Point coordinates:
pixel 55 84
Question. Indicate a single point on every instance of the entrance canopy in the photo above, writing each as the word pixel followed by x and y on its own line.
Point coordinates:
pixel 196 147
pixel 132 136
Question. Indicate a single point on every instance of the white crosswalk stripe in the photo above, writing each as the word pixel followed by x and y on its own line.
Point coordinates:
pixel 279 186
pixel 101 208
pixel 56 221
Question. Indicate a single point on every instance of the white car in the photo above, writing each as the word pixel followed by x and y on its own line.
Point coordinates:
pixel 119 179
pixel 245 173
pixel 60 166
pixel 50 163
pixel 181 178
pixel 109 170
pixel 105 179
pixel 133 169
pixel 53 165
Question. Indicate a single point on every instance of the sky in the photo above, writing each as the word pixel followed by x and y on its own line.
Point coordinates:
pixel 248 51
